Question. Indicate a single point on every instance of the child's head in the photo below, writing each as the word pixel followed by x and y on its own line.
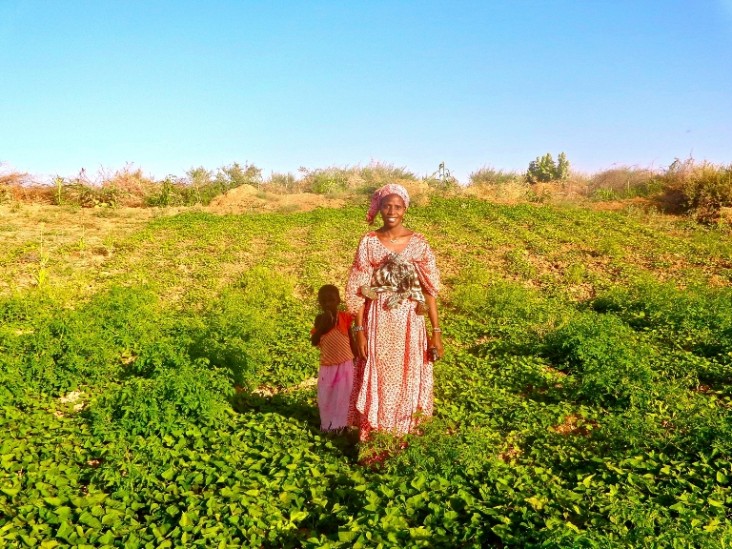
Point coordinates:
pixel 329 298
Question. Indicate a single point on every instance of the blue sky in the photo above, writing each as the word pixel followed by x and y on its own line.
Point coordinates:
pixel 171 85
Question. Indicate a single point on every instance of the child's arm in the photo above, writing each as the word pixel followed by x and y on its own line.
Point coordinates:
pixel 323 324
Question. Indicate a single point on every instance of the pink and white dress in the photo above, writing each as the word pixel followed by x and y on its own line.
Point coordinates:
pixel 335 377
pixel 392 388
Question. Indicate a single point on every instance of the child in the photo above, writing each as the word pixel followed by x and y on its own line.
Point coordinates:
pixel 335 378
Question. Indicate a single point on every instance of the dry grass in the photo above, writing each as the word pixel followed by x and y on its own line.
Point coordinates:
pixel 131 185
pixel 623 182
pixel 701 189
pixel 353 178
pixel 247 199
pixel 574 425
pixel 14 179
pixel 127 187
pixel 66 240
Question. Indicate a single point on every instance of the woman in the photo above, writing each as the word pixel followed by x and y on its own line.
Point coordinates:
pixel 392 284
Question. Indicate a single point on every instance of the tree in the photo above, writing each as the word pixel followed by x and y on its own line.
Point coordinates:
pixel 544 169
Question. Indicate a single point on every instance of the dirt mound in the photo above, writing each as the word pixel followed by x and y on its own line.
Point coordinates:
pixel 248 199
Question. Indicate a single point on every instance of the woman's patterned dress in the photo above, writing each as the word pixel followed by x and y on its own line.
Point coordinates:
pixel 392 388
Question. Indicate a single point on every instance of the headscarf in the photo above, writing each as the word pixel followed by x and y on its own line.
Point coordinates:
pixel 378 196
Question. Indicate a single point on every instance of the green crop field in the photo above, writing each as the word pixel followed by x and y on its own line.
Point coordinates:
pixel 154 383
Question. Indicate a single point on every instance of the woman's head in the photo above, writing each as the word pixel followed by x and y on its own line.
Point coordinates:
pixel 388 194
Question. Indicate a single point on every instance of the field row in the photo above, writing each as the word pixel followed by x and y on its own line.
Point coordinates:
pixel 152 394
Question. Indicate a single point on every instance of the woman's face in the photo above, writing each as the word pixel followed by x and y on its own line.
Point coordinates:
pixel 392 210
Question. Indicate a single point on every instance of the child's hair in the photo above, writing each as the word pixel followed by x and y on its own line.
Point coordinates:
pixel 328 289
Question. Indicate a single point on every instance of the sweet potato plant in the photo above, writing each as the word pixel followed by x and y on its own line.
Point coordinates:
pixel 158 397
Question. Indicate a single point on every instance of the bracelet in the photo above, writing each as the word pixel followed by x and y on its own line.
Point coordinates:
pixel 357 328
pixel 437 330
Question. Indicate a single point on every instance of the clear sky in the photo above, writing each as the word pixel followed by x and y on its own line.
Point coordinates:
pixel 171 85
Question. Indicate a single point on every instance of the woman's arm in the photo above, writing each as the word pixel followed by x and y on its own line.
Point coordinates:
pixel 361 341
pixel 359 276
pixel 436 339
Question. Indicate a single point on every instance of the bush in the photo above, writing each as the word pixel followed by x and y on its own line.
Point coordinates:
pixel 491 176
pixel 543 169
pixel 253 332
pixel 327 181
pixel 700 189
pixel 357 179
pixel 611 365
pixel 126 187
pixel 281 183
pixel 200 186
pixel 191 393
pixel 623 182
pixel 696 325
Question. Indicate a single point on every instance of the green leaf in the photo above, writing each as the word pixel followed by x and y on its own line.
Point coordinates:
pixel 107 538
pixel 90 520
pixel 347 536
pixel 63 512
pixel 298 516
pixel 185 521
pixel 112 517
pixel 418 482
pixel 64 531
pixel 53 501
pixel 535 502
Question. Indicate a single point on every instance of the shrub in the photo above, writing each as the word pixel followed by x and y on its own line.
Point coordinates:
pixel 192 392
pixel 543 169
pixel 237 175
pixel 696 325
pixel 327 181
pixel 701 189
pixel 12 184
pixel 491 176
pixel 198 177
pixel 125 187
pixel 358 179
pixel 281 183
pixel 623 182
pixel 610 364
pixel 253 332
pixel 129 186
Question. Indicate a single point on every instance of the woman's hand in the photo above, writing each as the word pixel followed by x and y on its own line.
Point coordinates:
pixel 361 344
pixel 436 343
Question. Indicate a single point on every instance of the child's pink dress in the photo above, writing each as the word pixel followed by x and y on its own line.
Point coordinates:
pixel 335 379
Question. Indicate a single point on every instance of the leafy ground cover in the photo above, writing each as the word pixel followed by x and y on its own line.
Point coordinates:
pixel 154 394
